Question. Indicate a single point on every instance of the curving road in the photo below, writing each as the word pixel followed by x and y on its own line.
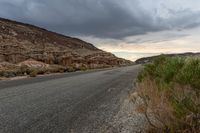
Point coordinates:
pixel 80 102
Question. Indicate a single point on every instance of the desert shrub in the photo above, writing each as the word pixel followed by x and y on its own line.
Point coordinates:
pixel 170 89
pixel 33 72
pixel 7 73
pixel 83 67
pixel 1 73
pixel 71 68
pixel 24 69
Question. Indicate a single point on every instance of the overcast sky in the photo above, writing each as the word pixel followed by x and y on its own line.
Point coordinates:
pixel 127 28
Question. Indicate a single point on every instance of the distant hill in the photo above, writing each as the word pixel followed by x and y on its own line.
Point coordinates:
pixel 20 42
pixel 148 59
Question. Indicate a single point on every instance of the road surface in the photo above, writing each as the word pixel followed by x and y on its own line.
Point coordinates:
pixel 80 102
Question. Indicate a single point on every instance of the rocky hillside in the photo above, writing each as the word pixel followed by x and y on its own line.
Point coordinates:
pixel 20 42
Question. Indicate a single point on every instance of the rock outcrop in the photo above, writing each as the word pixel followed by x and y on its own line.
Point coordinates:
pixel 20 42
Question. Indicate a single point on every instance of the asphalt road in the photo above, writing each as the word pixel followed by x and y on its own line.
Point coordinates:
pixel 80 102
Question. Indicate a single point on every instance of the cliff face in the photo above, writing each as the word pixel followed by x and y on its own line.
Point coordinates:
pixel 20 42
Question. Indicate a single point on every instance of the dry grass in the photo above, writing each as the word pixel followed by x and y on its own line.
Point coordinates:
pixel 155 104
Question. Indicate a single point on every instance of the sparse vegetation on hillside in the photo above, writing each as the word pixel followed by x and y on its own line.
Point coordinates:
pixel 170 89
pixel 31 71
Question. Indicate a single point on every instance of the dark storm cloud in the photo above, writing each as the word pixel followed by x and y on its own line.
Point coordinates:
pixel 158 38
pixel 99 18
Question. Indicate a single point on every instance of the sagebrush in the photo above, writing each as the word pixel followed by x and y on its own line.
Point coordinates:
pixel 170 89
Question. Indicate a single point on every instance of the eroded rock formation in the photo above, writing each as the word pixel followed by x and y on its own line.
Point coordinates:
pixel 20 42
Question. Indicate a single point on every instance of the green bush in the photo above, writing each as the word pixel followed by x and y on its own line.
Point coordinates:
pixel 71 68
pixel 7 74
pixel 177 80
pixel 33 73
pixel 83 67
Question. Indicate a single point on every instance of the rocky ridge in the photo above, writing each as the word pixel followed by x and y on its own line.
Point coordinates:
pixel 20 42
pixel 149 59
